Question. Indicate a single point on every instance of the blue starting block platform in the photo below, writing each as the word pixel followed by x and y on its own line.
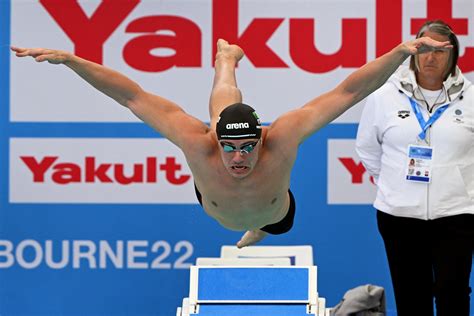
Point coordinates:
pixel 253 290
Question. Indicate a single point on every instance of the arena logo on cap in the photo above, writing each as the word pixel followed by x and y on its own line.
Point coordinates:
pixel 237 125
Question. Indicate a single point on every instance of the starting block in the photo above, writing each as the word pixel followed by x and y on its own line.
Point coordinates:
pixel 257 281
pixel 258 291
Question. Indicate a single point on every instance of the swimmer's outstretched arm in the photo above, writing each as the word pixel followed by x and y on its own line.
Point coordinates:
pixel 104 79
pixel 156 111
pixel 301 123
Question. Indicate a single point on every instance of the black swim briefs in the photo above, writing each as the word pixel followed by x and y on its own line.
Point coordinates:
pixel 286 223
pixel 282 226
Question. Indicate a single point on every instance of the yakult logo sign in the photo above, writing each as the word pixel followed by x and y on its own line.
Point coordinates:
pixel 348 181
pixel 98 171
pixel 89 34
pixel 169 46
pixel 90 171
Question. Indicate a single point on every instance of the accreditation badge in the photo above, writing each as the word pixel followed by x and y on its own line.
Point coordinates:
pixel 419 163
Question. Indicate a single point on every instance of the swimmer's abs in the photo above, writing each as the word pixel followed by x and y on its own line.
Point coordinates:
pixel 241 219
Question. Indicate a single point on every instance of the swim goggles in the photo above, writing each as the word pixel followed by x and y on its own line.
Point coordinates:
pixel 245 149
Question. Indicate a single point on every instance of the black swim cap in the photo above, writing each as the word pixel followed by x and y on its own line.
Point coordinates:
pixel 238 121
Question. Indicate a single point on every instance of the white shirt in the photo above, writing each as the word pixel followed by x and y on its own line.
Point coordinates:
pixel 388 125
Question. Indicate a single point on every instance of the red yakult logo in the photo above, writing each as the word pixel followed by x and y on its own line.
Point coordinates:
pixel 114 170
pixel 89 34
pixel 93 172
pixel 348 180
pixel 356 169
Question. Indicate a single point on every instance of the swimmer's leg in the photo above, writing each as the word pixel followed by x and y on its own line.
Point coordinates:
pixel 251 237
pixel 224 90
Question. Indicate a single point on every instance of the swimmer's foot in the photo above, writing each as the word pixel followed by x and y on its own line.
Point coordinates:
pixel 224 50
pixel 251 237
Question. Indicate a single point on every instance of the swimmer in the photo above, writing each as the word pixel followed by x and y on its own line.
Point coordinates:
pixel 241 169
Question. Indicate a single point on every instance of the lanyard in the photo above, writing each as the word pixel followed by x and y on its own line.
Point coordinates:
pixel 426 124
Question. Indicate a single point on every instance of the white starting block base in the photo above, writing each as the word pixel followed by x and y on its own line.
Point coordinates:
pixel 259 290
pixel 254 309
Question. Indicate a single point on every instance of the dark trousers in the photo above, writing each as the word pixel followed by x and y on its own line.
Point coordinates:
pixel 429 259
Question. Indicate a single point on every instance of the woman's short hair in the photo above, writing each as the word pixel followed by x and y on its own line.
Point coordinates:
pixel 442 28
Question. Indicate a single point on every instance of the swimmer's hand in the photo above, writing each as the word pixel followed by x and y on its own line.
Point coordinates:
pixel 42 54
pixel 251 237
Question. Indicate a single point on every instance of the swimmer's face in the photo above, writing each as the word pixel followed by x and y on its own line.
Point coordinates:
pixel 239 156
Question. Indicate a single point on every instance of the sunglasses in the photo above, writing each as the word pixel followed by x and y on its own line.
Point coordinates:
pixel 245 149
